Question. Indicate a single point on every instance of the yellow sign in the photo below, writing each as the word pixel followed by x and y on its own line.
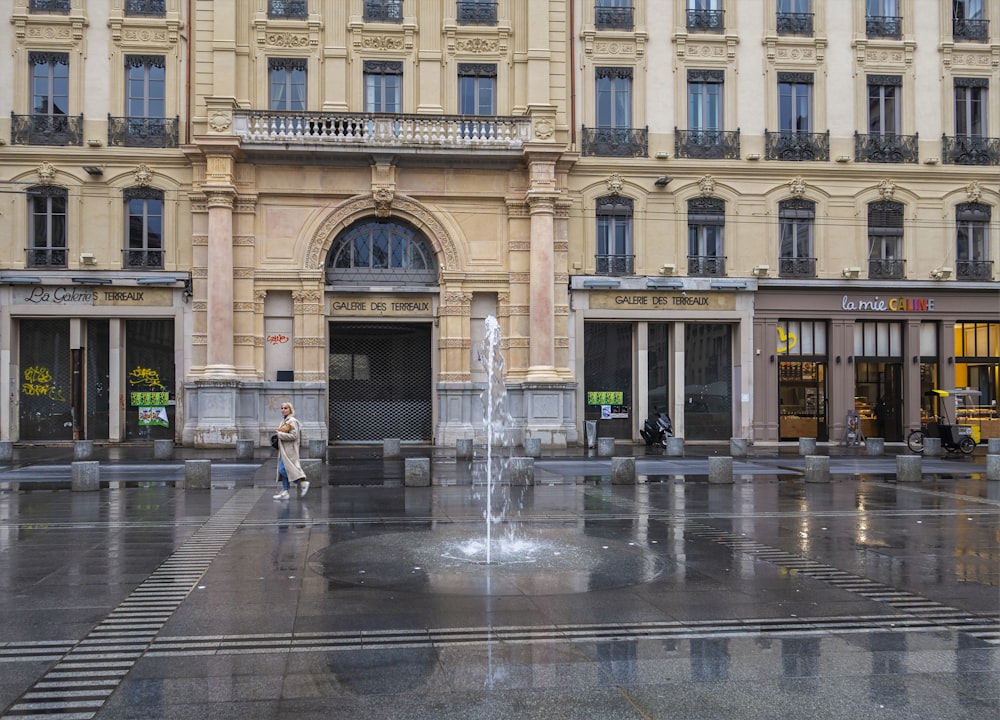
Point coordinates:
pixel 605 397
pixel 147 399
pixel 662 302
pixel 382 306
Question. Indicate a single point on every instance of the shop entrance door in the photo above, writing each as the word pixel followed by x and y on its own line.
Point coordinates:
pixel 879 398
pixel 380 382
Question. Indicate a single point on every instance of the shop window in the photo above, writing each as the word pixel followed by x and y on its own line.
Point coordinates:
pixel 614 236
pixel 287 84
pixel 802 379
pixel 608 358
pixel 706 225
pixel 47 226
pixel 144 228
pixel 43 377
pixel 708 381
pixel 149 379
pixel 796 222
pixel 98 380
pixel 878 378
pixel 977 370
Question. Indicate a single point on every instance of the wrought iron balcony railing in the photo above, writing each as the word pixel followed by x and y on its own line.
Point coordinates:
pixel 49 6
pixel 706 266
pixel 477 13
pixel 971 30
pixel 707 144
pixel 615 264
pixel 362 131
pixel 614 18
pixel 46 257
pixel 797 146
pixel 970 150
pixel 974 269
pixel 143 259
pixel 884 26
pixel 59 130
pixel 384 11
pixel 799 267
pixel 708 21
pixel 288 9
pixel 790 23
pixel 142 132
pixel 146 8
pixel 886 148
pixel 886 268
pixel 615 142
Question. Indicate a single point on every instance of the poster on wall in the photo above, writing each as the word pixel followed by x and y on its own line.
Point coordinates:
pixel 150 416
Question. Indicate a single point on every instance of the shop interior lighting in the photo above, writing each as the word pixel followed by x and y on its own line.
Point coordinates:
pixel 92 281
pixel 601 283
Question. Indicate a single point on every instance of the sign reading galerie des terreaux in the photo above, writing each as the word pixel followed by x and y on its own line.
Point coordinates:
pixel 663 302
pixel 413 306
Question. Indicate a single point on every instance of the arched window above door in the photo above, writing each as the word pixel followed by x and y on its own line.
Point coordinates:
pixel 373 251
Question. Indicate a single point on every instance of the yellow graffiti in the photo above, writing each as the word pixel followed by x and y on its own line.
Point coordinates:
pixel 144 376
pixel 789 340
pixel 38 382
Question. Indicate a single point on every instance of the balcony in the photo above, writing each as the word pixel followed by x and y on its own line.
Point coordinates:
pixel 615 142
pixel 390 11
pixel 797 146
pixel 615 264
pixel 142 259
pixel 886 148
pixel 707 144
pixel 477 13
pixel 706 266
pixel 886 269
pixel 46 257
pixel 614 18
pixel 969 30
pixel 288 9
pixel 706 21
pixel 790 23
pixel 884 26
pixel 145 8
pixel 142 132
pixel 57 130
pixel 361 132
pixel 970 150
pixel 974 269
pixel 797 267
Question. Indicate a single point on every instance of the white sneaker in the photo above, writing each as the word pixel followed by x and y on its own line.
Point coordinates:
pixel 303 488
pixel 283 495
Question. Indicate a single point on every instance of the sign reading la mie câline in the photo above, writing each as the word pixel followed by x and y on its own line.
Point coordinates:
pixel 45 295
pixel 382 305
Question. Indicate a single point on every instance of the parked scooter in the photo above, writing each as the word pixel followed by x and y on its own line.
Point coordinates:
pixel 657 431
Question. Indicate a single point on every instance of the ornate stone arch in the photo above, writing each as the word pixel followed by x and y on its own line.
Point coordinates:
pixel 404 208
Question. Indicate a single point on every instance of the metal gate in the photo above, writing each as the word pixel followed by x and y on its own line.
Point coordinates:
pixel 380 382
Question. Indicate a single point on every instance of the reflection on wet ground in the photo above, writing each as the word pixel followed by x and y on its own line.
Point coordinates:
pixel 673 598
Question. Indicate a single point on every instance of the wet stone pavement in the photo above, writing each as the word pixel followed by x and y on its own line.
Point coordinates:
pixel 769 597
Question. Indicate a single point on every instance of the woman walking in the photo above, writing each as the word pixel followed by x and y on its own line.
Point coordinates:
pixel 289 469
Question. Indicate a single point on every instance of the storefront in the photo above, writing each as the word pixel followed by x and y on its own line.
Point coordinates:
pixel 682 349
pixel 835 357
pixel 94 360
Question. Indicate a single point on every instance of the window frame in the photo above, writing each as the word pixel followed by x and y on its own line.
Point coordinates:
pixel 54 84
pixel 881 105
pixel 54 234
pixel 886 237
pixel 972 229
pixel 476 75
pixel 146 64
pixel 139 228
pixel 971 107
pixel 706 233
pixel 796 217
pixel 287 75
pixel 614 240
pixel 702 116
pixel 377 75
pixel 613 91
pixel 794 90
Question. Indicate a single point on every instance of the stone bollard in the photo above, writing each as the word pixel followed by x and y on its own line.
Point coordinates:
pixel 313 468
pixel 874 446
pixel 163 449
pixel 605 446
pixel 623 471
pixel 6 451
pixel 807 446
pixel 533 447
pixel 932 447
pixel 317 449
pixel 83 449
pixel 463 449
pixel 993 467
pixel 675 447
pixel 521 471
pixel 993 446
pixel 908 468
pixel 86 476
pixel 197 474
pixel 817 468
pixel 417 472
pixel 738 447
pixel 244 449
pixel 391 448
pixel 720 469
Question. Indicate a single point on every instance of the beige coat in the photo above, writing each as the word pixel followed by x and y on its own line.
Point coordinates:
pixel 288 449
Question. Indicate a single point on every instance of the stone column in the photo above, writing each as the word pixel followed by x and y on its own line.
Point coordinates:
pixel 219 359
pixel 541 202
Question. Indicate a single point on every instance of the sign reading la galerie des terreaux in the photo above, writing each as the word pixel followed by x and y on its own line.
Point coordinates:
pixel 44 295
pixel 661 301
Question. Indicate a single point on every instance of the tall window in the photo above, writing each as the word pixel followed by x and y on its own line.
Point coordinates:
pixel 882 19
pixel 969 20
pixel 146 83
pixel 614 97
pixel 384 251
pixel 384 11
pixel 476 12
pixel 796 220
pixel 972 226
pixel 477 88
pixel 288 9
pixel 795 17
pixel 49 6
pixel 970 107
pixel 706 222
pixel 287 80
pixel 885 239
pixel 705 99
pixel 383 86
pixel 147 8
pixel 144 227
pixel 49 83
pixel 704 15
pixel 47 226
pixel 883 104
pixel 613 15
pixel 614 235
pixel 795 102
